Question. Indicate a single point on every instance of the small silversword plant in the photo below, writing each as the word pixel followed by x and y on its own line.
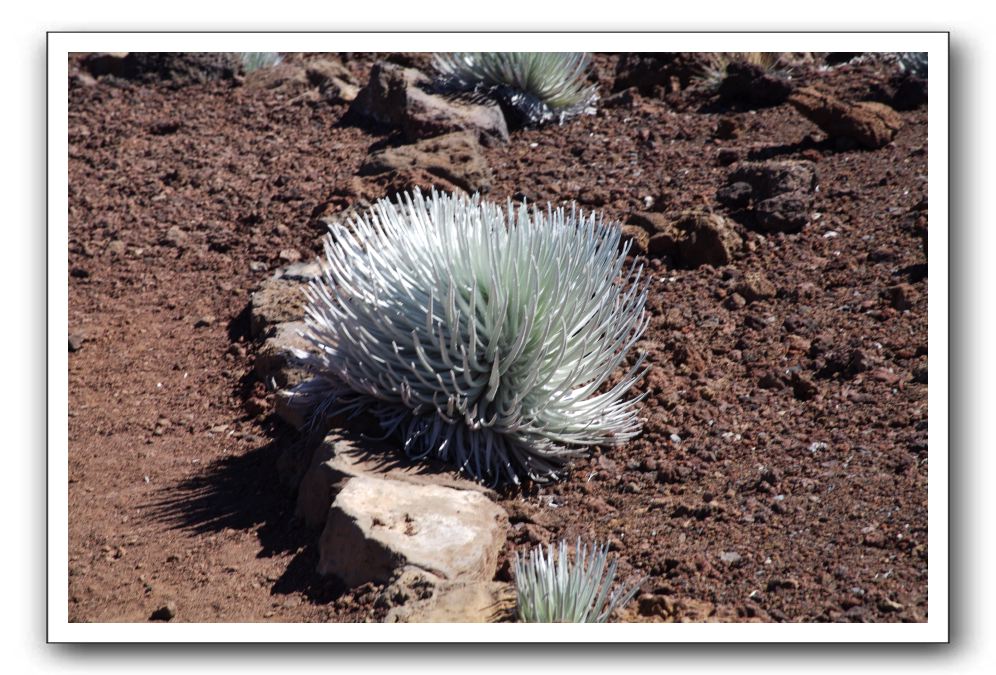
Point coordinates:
pixel 552 588
pixel 485 336
pixel 539 86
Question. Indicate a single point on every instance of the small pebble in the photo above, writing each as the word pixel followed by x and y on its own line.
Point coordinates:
pixel 887 605
pixel 730 557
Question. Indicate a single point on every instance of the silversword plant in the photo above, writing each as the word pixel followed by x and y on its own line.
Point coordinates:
pixel 552 588
pixel 914 63
pixel 714 64
pixel 539 86
pixel 255 60
pixel 486 336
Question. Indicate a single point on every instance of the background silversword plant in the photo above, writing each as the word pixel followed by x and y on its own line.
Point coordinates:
pixel 485 336
pixel 714 65
pixel 552 588
pixel 255 60
pixel 914 63
pixel 538 86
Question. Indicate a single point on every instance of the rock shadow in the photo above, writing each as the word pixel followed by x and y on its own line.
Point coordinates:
pixel 244 492
pixel 788 149
pixel 235 492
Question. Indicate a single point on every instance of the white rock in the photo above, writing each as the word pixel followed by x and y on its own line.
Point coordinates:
pixel 419 597
pixel 275 360
pixel 340 458
pixel 376 527
pixel 281 298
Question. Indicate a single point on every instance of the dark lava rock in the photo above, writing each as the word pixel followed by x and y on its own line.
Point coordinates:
pixel 728 156
pixel 787 213
pixel 901 296
pixel 400 97
pixel 385 96
pixel 781 192
pixel 753 85
pixel 735 196
pixel 904 91
pixel 847 364
pixel 692 240
pixel 727 129
pixel 768 179
pixel 656 73
pixel 175 68
pixel 803 388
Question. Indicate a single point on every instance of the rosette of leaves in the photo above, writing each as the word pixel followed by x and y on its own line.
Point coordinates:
pixel 914 63
pixel 488 337
pixel 531 87
pixel 714 65
pixel 553 588
pixel 256 60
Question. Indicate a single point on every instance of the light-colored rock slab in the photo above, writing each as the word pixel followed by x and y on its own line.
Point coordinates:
pixel 419 597
pixel 286 407
pixel 275 360
pixel 340 458
pixel 376 527
pixel 280 299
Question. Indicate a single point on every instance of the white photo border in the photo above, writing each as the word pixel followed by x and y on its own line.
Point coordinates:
pixel 61 44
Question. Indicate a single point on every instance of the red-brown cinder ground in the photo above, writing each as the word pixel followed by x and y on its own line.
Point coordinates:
pixel 792 503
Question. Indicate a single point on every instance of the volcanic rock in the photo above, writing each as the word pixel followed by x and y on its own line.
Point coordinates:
pixel 456 158
pixel 871 125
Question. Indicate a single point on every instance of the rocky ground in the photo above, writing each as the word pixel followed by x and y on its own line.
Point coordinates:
pixel 782 471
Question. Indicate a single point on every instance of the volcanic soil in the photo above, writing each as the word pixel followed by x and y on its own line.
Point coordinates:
pixel 782 471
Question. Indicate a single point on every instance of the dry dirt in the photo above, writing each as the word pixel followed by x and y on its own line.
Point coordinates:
pixel 782 472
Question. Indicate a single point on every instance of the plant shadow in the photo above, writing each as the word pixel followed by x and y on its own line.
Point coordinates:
pixel 242 492
pixel 257 491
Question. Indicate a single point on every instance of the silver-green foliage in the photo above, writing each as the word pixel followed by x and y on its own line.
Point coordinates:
pixel 552 588
pixel 485 336
pixel 914 63
pixel 541 86
pixel 255 60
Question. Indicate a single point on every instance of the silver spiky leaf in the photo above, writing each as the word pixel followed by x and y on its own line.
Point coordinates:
pixel 539 86
pixel 486 336
pixel 553 588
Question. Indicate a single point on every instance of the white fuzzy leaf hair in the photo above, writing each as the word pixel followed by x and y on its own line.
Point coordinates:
pixel 486 336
